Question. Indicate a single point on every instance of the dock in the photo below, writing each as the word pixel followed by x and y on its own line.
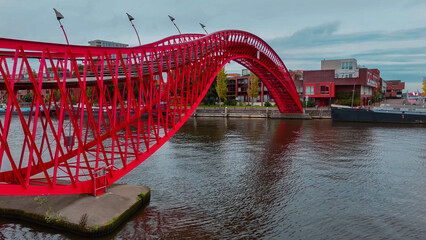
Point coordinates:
pixel 81 214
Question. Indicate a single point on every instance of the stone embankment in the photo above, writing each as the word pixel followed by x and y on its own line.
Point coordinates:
pixel 324 113
pixel 248 112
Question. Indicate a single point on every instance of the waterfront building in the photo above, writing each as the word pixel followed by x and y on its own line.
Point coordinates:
pixel 383 85
pixel 297 76
pixel 22 95
pixel 338 80
pixel 343 68
pixel 238 84
pixel 394 88
pixel 103 43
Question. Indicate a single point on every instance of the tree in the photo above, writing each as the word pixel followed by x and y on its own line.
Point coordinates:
pixel 424 86
pixel 57 95
pixel 298 75
pixel 211 95
pixel 28 97
pixel 5 98
pixel 253 87
pixel 221 86
pixel 376 95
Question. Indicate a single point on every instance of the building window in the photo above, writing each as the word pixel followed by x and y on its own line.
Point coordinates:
pixel 347 65
pixel 324 89
pixel 309 90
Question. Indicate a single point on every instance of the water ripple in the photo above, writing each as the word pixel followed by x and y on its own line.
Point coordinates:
pixel 276 179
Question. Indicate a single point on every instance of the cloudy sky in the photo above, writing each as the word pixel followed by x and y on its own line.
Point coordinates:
pixel 389 35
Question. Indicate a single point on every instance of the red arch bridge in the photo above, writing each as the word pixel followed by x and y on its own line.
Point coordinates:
pixel 97 113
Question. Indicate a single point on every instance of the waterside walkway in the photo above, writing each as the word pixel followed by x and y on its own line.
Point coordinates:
pixel 257 112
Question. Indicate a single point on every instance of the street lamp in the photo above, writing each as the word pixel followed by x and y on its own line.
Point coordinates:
pixel 204 27
pixel 59 16
pixel 173 19
pixel 131 19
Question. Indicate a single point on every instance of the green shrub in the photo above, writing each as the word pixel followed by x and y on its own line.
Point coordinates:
pixel 268 104
pixel 310 104
pixel 348 102
pixel 230 101
pixel 28 97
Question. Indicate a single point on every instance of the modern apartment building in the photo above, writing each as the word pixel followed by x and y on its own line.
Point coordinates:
pixel 103 43
pixel 343 68
pixel 238 84
pixel 339 78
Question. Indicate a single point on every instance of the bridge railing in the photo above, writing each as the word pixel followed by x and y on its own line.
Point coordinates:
pixel 91 107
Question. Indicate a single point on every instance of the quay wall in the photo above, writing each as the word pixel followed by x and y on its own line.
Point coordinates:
pixel 248 112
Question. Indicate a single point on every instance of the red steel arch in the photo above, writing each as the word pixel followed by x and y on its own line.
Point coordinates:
pixel 96 113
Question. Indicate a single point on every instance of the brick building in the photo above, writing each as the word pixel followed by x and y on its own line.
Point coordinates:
pixel 394 88
pixel 238 84
pixel 339 78
pixel 297 76
pixel 21 93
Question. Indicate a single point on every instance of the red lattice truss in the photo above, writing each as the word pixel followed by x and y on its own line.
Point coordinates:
pixel 97 113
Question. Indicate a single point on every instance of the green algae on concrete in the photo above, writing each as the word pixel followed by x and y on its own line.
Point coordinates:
pixel 81 214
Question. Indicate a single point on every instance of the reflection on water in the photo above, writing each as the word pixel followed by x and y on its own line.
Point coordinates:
pixel 278 179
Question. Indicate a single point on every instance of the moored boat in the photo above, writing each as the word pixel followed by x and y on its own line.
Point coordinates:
pixel 384 114
pixel 24 110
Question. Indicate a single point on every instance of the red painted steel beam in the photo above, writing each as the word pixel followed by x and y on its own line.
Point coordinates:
pixel 96 113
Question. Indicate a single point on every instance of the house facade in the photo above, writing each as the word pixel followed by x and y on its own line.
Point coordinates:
pixel 339 79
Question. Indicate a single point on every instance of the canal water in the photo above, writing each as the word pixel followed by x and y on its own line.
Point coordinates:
pixel 277 179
